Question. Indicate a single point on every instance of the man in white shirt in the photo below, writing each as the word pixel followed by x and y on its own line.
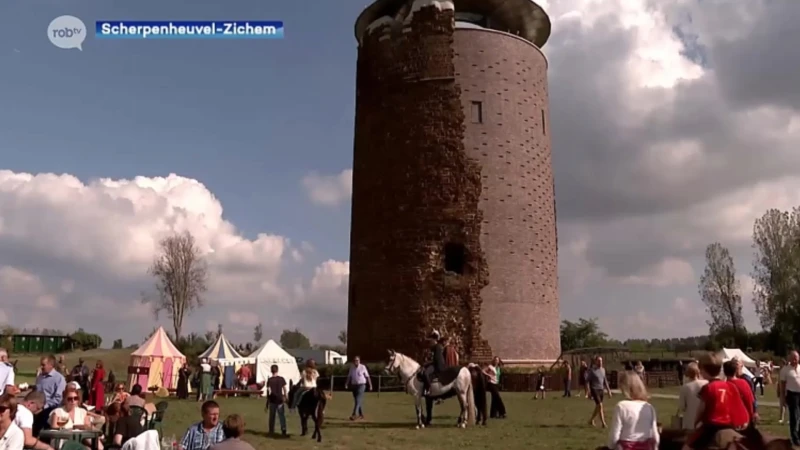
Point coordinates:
pixel 6 374
pixel 790 392
pixel 33 404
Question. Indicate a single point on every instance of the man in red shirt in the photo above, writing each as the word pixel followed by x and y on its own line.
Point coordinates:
pixel 722 407
pixel 730 369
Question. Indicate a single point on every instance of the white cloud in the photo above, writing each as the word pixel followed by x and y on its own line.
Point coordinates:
pixel 329 190
pixel 670 271
pixel 83 248
pixel 243 319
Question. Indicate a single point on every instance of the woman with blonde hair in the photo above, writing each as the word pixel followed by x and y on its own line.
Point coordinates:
pixel 308 381
pixel 688 400
pixel 634 426
pixel 11 436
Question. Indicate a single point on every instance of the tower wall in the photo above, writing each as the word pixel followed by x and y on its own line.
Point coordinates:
pixel 429 184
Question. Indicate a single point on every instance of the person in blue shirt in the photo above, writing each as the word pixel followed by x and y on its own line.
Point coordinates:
pixel 51 383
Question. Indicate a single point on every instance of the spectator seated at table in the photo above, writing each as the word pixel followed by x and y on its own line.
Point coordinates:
pixel 122 426
pixel 71 416
pixel 120 395
pixel 32 404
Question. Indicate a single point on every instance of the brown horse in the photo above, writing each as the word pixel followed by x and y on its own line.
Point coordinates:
pixel 311 405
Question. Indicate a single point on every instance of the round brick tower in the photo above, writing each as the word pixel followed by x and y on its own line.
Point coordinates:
pixel 453 216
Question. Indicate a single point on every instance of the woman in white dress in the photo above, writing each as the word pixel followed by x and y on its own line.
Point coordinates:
pixel 688 401
pixel 11 436
pixel 70 415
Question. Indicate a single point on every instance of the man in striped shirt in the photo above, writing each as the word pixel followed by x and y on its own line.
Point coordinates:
pixel 203 435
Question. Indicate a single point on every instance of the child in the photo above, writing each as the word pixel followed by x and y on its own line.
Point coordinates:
pixel 540 384
pixel 722 407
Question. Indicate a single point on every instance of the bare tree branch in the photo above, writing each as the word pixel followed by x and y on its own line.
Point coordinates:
pixel 181 275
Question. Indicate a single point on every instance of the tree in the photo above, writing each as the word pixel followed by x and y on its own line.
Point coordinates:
pixel 85 341
pixel 343 337
pixel 117 344
pixel 294 339
pixel 258 333
pixel 581 334
pixel 719 290
pixel 209 337
pixel 775 271
pixel 181 275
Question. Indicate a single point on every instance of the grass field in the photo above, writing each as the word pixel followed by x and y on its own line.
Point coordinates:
pixel 114 360
pixel 532 424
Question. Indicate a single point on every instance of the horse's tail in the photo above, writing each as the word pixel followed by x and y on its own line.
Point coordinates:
pixel 470 403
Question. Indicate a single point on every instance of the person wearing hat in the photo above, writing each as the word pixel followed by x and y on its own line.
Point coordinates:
pixel 437 361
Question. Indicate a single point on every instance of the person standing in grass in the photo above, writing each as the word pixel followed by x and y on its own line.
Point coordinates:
pixel 598 385
pixel 567 379
pixel 358 381
pixel 276 400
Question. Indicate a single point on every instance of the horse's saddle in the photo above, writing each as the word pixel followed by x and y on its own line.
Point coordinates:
pixel 446 376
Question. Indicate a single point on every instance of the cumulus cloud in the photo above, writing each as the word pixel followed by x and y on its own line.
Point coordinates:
pixel 84 248
pixel 329 190
pixel 674 125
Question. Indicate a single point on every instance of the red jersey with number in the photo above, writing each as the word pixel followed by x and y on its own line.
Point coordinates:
pixel 724 406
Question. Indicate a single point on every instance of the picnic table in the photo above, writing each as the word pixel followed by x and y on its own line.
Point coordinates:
pixel 57 436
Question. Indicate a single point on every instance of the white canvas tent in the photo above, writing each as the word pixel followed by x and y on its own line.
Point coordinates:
pixel 271 353
pixel 728 354
pixel 223 352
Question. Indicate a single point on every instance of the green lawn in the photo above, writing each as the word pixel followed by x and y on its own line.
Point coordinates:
pixel 113 360
pixel 532 424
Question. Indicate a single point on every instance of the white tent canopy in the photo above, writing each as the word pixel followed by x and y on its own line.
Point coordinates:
pixel 728 354
pixel 271 353
pixel 223 352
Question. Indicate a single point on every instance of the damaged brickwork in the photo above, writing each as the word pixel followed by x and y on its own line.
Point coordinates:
pixel 414 191
pixel 431 180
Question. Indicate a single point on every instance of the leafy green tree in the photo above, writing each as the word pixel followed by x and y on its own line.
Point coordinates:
pixel 85 341
pixel 581 334
pixel 258 333
pixel 294 339
pixel 719 291
pixel 117 344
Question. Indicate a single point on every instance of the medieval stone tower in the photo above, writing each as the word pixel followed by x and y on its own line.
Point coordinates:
pixel 453 223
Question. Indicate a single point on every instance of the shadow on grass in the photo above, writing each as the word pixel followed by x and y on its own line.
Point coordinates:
pixel 372 425
pixel 264 434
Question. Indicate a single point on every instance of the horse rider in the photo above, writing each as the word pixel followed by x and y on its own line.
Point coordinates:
pixel 308 382
pixel 437 361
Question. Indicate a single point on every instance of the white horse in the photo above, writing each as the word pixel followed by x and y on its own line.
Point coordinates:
pixel 456 380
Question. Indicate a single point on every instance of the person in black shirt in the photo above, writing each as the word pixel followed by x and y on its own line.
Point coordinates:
pixel 276 398
pixel 437 361
pixel 122 426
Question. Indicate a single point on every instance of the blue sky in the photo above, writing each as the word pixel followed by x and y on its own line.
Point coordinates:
pixel 248 118
pixel 655 109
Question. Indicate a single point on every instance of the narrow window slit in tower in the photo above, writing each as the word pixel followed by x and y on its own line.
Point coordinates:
pixel 544 124
pixel 455 258
pixel 477 112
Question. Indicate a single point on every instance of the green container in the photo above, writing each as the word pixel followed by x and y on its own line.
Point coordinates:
pixel 22 344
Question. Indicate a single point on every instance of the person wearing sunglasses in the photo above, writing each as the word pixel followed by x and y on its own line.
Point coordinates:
pixel 70 416
pixel 11 436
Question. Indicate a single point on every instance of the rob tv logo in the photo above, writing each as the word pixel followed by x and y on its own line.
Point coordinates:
pixel 67 32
